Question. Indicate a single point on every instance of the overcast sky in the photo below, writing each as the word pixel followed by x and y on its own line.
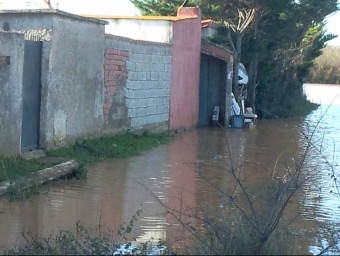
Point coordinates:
pixel 104 7
pixel 126 8
pixel 333 26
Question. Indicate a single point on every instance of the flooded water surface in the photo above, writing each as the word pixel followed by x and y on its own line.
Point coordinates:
pixel 185 175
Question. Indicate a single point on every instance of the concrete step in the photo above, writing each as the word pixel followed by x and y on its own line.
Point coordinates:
pixel 33 154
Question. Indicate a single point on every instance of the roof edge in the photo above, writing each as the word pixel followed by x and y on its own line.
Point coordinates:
pixel 216 50
pixel 53 11
pixel 165 18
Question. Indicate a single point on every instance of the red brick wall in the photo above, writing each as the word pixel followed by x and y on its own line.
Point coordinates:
pixel 115 75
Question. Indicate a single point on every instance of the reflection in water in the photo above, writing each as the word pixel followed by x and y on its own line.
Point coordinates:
pixel 186 175
pixel 322 202
pixel 324 193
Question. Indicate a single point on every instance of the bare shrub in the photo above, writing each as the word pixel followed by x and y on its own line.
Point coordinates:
pixel 252 221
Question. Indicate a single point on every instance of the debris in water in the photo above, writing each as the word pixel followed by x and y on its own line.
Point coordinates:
pixel 132 250
pixel 126 250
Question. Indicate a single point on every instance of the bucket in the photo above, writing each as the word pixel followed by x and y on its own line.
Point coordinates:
pixel 236 121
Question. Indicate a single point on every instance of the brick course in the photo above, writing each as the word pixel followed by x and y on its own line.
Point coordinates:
pixel 115 70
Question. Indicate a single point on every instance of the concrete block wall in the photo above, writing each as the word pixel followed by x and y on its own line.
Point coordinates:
pixel 137 84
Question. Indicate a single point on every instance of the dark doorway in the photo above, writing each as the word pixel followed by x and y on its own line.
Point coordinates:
pixel 212 89
pixel 31 96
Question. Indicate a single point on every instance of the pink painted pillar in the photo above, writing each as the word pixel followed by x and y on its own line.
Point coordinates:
pixel 184 100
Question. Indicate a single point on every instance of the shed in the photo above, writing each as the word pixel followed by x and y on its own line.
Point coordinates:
pixel 59 98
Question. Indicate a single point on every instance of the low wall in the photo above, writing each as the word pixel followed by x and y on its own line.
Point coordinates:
pixel 75 83
pixel 137 85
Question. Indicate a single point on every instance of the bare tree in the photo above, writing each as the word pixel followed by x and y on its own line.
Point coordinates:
pixel 238 26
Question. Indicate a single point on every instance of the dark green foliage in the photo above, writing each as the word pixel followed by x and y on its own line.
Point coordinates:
pixel 291 36
pixel 158 7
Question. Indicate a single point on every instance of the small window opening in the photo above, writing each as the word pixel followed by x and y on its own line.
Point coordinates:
pixel 5 60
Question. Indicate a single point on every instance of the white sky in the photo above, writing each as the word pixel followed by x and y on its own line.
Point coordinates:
pixel 126 8
pixel 97 7
pixel 333 26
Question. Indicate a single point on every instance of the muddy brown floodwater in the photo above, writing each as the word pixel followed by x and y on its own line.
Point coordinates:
pixel 177 174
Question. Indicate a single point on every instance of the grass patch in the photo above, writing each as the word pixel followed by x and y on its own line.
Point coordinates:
pixel 12 168
pixel 86 151
pixel 119 146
